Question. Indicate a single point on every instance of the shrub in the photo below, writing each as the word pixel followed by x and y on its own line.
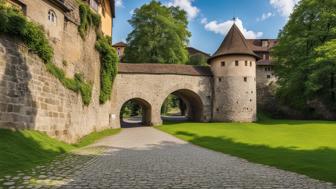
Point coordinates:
pixel 13 23
pixel 109 67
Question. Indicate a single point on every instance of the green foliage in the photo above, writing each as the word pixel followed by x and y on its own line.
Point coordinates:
pixel 173 104
pixel 304 75
pixel 77 84
pixel 88 19
pixel 160 35
pixel 198 60
pixel 130 109
pixel 13 23
pixel 24 149
pixel 109 67
pixel 306 147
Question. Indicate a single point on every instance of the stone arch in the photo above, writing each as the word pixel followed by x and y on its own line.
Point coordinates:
pixel 192 100
pixel 146 114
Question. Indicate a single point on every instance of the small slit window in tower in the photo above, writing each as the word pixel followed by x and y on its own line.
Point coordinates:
pixel 217 109
pixel 223 63
pixel 268 76
pixel 250 63
pixel 245 62
pixel 219 79
pixel 245 79
pixel 237 63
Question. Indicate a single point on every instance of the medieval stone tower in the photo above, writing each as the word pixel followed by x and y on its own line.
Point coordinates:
pixel 234 72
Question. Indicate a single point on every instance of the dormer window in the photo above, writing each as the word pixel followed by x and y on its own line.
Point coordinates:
pixel 52 16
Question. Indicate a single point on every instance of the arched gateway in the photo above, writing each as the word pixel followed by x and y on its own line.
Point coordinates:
pixel 224 91
pixel 150 84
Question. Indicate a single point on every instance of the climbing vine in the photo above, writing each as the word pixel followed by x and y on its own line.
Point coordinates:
pixel 87 19
pixel 109 66
pixel 14 23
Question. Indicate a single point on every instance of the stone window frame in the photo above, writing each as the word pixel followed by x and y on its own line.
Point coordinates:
pixel 52 17
pixel 223 63
pixel 237 62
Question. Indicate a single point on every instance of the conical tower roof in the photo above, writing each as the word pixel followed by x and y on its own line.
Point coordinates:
pixel 233 44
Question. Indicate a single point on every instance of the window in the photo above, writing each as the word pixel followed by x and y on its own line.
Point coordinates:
pixel 52 16
pixel 217 109
pixel 264 56
pixel 237 63
pixel 118 50
pixel 219 79
pixel 250 63
pixel 245 79
pixel 245 62
pixel 94 5
pixel 268 76
pixel 223 64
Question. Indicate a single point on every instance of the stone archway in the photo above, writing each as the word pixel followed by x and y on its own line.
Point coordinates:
pixel 146 114
pixel 193 102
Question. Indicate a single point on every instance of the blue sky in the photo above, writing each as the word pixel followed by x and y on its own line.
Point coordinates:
pixel 209 20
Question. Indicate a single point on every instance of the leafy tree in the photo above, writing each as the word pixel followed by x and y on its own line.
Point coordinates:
pixel 198 60
pixel 304 63
pixel 160 35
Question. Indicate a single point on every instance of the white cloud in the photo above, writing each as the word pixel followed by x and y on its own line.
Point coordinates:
pixel 265 16
pixel 119 3
pixel 187 6
pixel 204 21
pixel 284 7
pixel 224 27
pixel 131 12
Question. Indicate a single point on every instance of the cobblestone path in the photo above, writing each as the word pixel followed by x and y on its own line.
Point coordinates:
pixel 147 158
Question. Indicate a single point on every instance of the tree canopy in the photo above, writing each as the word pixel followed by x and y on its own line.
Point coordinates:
pixel 305 55
pixel 159 35
pixel 197 60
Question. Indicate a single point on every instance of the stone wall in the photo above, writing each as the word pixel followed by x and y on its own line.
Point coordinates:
pixel 31 98
pixel 153 89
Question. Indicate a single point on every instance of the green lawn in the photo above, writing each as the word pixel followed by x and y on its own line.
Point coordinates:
pixel 20 150
pixel 306 147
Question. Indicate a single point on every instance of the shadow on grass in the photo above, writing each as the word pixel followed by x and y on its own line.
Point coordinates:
pixel 19 151
pixel 319 163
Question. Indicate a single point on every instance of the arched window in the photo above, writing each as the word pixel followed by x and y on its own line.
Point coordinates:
pixel 52 16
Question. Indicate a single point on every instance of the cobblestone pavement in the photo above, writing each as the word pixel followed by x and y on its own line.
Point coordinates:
pixel 148 158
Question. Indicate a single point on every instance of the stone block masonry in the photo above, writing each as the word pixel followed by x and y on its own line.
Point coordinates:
pixel 31 98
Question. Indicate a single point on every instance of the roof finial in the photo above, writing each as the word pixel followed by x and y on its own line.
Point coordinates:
pixel 234 19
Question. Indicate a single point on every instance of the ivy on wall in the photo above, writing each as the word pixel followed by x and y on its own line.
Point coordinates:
pixel 87 19
pixel 14 23
pixel 109 69
pixel 108 56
